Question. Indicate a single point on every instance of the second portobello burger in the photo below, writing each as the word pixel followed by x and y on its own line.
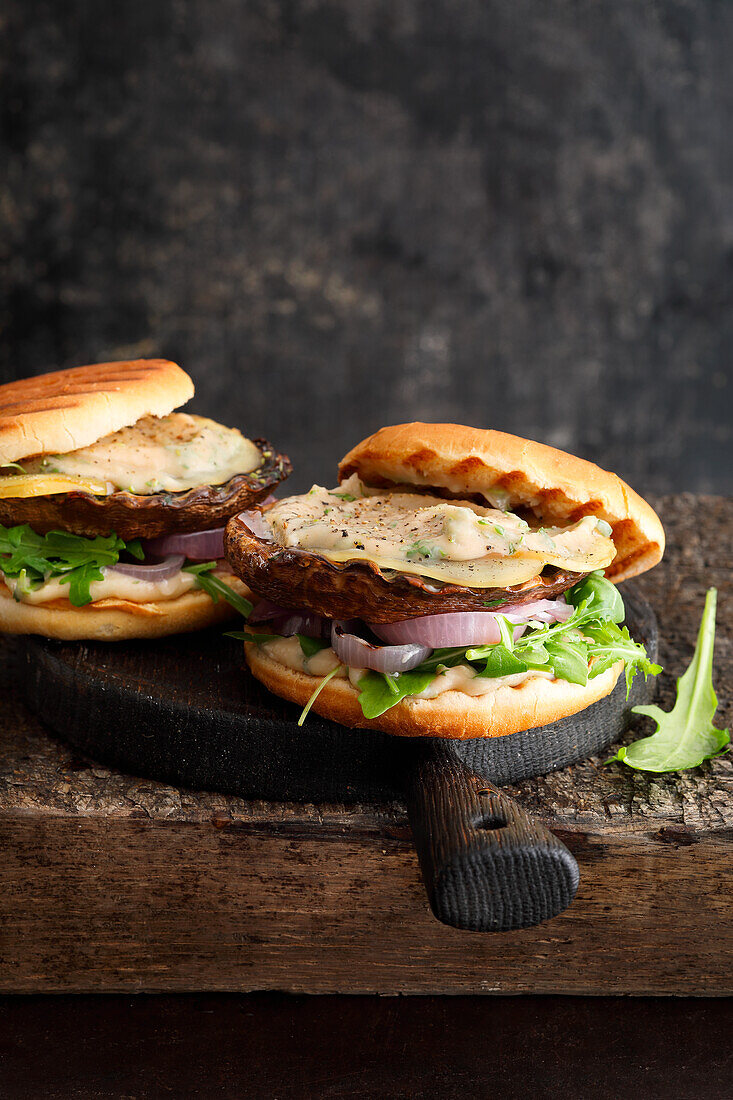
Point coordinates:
pixel 112 505
pixel 457 583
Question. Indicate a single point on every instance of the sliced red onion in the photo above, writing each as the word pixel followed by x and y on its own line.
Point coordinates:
pixel 160 571
pixel 462 628
pixel 285 621
pixel 357 653
pixel 196 545
pixel 543 611
pixel 256 524
pixel 266 609
pixel 310 625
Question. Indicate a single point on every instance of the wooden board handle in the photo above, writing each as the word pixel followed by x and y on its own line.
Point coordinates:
pixel 486 864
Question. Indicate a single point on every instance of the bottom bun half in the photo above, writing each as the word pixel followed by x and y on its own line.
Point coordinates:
pixel 116 620
pixel 453 714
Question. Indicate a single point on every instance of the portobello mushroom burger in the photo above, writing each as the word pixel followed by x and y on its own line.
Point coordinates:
pixel 113 505
pixel 457 583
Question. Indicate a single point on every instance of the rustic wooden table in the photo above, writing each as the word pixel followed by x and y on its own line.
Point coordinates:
pixel 112 883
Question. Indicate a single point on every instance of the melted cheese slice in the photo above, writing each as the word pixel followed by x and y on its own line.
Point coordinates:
pixel 166 454
pixel 457 542
pixel 46 485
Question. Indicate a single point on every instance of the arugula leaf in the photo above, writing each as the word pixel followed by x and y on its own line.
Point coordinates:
pixel 135 548
pixel 568 659
pixel 443 658
pixel 71 559
pixel 602 599
pixel 610 643
pixel 501 662
pixel 310 646
pixel 378 692
pixel 316 693
pixel 506 631
pixel 685 736
pixel 215 587
pixel 79 581
pixel 245 636
pixel 535 654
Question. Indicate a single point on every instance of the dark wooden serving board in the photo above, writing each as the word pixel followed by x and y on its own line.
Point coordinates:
pixel 116 882
pixel 186 710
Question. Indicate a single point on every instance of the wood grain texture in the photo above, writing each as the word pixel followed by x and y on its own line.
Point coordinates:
pixel 111 882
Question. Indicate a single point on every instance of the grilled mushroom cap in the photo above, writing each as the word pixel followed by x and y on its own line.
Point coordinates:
pixel 134 516
pixel 307 581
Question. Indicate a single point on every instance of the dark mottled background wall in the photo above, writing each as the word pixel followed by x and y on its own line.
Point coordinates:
pixel 517 213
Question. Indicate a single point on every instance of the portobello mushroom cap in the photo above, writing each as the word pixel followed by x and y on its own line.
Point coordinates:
pixel 303 580
pixel 131 515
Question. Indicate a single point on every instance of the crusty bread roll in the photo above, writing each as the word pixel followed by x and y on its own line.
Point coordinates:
pixel 557 486
pixel 68 409
pixel 452 714
pixel 115 620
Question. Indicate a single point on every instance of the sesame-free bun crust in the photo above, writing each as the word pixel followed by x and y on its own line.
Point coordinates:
pixel 68 409
pixel 453 714
pixel 556 486
pixel 113 620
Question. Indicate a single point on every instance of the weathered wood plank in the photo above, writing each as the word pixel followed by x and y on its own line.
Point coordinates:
pixel 112 882
pixel 128 905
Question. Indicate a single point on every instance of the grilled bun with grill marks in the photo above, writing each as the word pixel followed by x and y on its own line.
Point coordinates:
pixel 555 486
pixel 69 409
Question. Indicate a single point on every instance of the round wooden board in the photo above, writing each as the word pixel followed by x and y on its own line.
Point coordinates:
pixel 186 710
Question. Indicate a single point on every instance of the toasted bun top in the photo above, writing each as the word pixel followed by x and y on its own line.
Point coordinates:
pixel 68 409
pixel 558 487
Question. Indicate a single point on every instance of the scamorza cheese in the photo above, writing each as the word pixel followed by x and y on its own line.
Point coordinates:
pixel 455 541
pixel 167 454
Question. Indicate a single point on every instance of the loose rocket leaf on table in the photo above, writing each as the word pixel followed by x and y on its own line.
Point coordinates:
pixel 686 735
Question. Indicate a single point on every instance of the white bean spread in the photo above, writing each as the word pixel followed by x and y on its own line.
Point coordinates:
pixel 114 585
pixel 165 454
pixel 456 541
pixel 287 651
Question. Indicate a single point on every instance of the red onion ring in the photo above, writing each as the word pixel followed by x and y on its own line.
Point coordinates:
pixel 463 628
pixel 357 653
pixel 266 609
pixel 310 625
pixel 196 545
pixel 285 621
pixel 160 571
